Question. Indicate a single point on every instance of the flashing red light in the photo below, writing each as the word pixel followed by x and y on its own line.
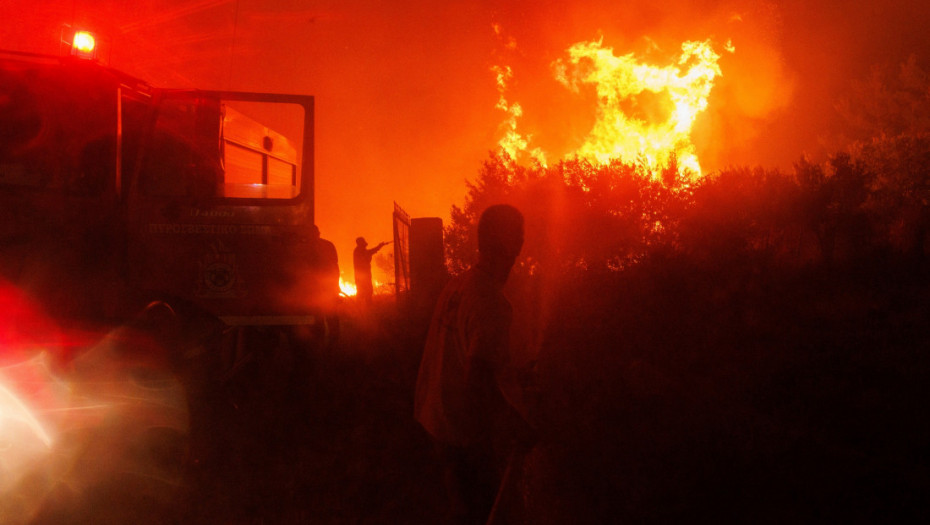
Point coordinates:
pixel 84 44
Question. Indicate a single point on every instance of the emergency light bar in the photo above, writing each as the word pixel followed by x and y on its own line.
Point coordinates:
pixel 84 45
pixel 80 43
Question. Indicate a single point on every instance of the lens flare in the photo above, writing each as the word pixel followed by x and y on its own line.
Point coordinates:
pixel 114 413
pixel 13 411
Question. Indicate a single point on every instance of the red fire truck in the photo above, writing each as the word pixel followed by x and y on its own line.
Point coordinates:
pixel 180 222
pixel 115 194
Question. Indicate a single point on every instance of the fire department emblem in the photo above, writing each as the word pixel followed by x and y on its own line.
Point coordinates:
pixel 219 273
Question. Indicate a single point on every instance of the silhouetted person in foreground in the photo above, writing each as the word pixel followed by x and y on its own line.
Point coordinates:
pixel 361 259
pixel 466 372
pixel 324 263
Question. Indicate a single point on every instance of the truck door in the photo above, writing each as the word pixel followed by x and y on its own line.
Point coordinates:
pixel 221 203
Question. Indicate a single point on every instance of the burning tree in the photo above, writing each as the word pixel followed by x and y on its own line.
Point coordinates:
pixel 644 112
pixel 710 325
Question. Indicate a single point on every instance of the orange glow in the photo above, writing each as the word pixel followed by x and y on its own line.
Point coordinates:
pixel 401 132
pixel 644 113
pixel 381 288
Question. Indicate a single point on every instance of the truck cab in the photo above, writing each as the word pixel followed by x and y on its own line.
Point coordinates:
pixel 115 193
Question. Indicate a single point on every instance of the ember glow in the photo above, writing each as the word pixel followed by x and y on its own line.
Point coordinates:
pixel 645 112
pixel 346 288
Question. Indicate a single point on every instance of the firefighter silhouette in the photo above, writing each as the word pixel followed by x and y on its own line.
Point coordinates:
pixel 361 260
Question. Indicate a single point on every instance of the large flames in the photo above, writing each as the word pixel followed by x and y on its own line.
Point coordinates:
pixel 644 113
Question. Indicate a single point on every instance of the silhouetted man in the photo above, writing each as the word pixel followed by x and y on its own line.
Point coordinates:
pixel 463 379
pixel 324 264
pixel 361 259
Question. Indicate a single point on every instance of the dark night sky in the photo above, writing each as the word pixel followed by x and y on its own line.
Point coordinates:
pixel 405 95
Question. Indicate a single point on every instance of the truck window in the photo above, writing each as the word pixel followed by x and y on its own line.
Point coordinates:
pixel 207 148
pixel 260 160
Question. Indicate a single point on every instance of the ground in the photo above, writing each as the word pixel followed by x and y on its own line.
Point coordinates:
pixel 785 409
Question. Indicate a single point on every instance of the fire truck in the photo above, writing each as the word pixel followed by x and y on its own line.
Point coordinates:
pixel 117 196
pixel 181 222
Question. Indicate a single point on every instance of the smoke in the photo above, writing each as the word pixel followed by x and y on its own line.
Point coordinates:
pixel 406 98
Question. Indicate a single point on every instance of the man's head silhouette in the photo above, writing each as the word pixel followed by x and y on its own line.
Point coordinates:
pixel 500 239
